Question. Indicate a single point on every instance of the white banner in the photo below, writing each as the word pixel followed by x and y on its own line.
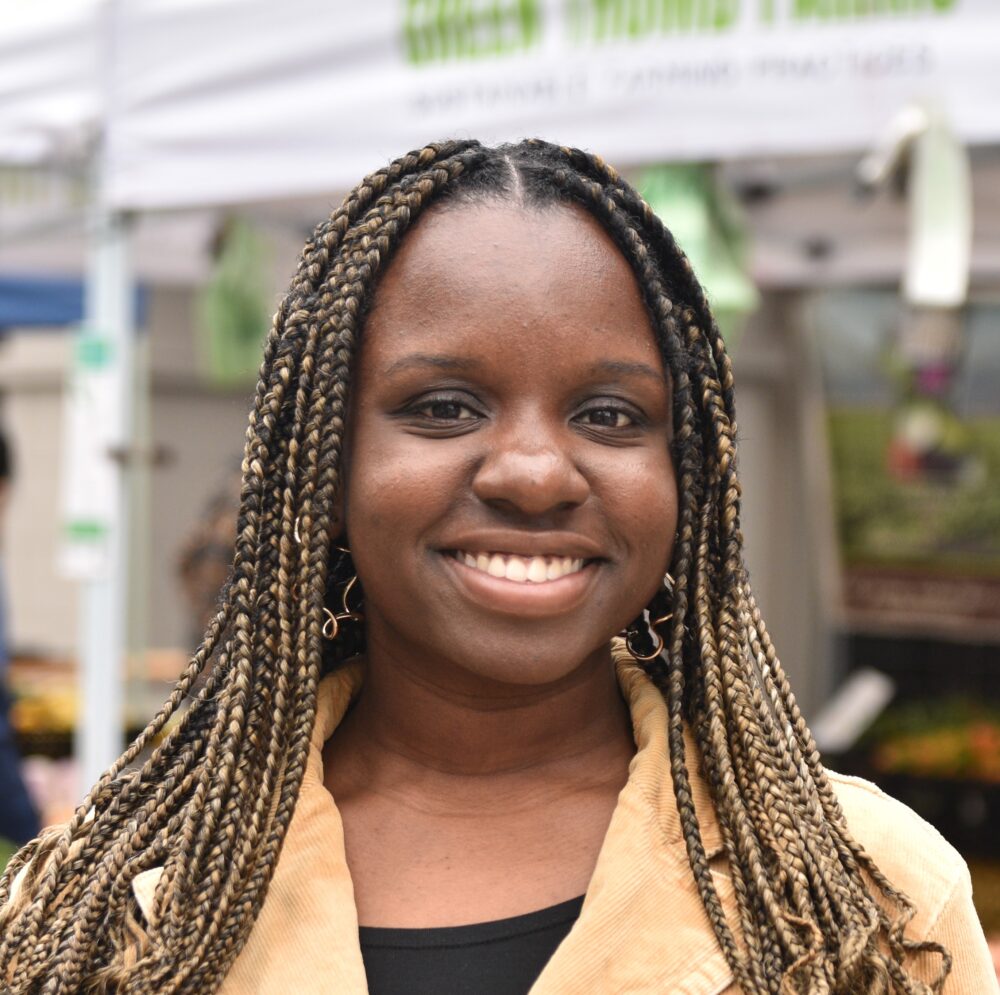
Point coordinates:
pixel 230 100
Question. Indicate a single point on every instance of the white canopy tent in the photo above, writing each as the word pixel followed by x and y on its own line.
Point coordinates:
pixel 220 101
pixel 183 103
pixel 50 102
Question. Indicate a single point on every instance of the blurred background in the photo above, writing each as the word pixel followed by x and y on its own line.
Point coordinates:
pixel 832 167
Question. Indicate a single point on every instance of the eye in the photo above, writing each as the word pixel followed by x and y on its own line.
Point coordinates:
pixel 606 415
pixel 607 418
pixel 444 409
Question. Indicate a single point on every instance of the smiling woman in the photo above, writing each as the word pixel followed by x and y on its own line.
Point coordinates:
pixel 494 430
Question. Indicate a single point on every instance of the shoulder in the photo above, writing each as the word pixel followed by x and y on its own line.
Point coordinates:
pixel 921 863
pixel 911 853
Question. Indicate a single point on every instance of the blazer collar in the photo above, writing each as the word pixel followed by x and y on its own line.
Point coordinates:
pixel 642 927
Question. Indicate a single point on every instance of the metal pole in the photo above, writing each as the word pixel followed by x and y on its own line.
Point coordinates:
pixel 110 319
pixel 103 442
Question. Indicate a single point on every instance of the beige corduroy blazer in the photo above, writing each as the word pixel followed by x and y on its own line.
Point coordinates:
pixel 642 929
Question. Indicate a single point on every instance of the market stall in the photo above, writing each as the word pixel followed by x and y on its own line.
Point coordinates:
pixel 269 111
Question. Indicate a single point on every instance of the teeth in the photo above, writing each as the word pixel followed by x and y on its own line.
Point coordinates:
pixel 517 569
pixel 521 569
pixel 537 571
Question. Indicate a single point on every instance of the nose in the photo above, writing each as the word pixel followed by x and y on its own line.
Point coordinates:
pixel 529 469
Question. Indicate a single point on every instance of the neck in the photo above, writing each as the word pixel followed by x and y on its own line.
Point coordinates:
pixel 433 725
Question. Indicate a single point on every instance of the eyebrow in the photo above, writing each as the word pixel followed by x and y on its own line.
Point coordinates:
pixel 417 360
pixel 616 367
pixel 629 369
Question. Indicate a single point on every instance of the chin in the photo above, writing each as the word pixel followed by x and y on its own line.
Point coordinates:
pixel 528 661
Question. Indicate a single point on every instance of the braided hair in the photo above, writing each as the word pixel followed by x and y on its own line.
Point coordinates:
pixel 213 801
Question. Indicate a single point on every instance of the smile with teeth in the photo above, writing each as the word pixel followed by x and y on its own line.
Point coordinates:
pixel 521 569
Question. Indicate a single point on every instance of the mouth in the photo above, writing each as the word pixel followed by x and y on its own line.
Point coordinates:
pixel 520 569
pixel 523 586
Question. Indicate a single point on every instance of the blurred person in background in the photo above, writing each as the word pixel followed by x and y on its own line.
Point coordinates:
pixel 206 556
pixel 18 818
pixel 493 708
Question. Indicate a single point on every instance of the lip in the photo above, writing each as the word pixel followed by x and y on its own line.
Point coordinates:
pixel 508 597
pixel 528 544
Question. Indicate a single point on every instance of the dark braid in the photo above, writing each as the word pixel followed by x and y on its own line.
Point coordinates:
pixel 212 803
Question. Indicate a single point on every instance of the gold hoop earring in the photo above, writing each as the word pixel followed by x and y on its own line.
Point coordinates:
pixel 298 538
pixel 633 632
pixel 331 627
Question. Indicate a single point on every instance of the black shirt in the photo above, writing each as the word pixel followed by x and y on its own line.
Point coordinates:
pixel 503 957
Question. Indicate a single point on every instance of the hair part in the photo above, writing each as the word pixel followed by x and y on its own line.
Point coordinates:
pixel 214 799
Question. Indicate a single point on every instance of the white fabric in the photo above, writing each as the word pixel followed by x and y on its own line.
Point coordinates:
pixel 49 78
pixel 217 101
pixel 230 100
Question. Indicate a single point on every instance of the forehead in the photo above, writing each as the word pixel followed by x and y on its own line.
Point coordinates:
pixel 502 278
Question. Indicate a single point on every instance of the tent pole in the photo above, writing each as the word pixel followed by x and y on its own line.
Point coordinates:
pixel 110 315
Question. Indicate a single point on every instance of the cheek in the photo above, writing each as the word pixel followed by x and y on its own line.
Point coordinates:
pixel 646 494
pixel 385 495
pixel 648 488
pixel 397 487
pixel 380 497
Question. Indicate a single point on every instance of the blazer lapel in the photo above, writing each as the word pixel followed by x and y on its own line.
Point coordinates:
pixel 306 936
pixel 643 927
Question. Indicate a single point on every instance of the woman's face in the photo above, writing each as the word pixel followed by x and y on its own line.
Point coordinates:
pixel 510 500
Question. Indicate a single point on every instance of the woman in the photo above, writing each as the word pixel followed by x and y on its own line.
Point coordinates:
pixel 494 428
